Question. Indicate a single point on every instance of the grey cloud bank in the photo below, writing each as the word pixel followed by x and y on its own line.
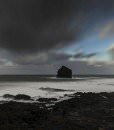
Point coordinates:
pixel 32 32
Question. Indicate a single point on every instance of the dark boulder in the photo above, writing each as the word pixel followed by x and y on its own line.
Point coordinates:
pixel 22 97
pixel 64 72
pixel 8 96
pixel 47 100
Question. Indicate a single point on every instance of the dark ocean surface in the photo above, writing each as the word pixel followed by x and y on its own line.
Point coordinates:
pixel 49 77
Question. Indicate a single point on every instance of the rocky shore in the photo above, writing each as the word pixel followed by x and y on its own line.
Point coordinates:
pixel 82 111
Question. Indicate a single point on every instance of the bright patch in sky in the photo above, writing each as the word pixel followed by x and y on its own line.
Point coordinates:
pixel 91 44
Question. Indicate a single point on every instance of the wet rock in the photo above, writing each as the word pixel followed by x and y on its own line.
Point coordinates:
pixel 8 96
pixel 47 99
pixel 22 97
pixel 64 72
pixel 89 112
pixel 54 89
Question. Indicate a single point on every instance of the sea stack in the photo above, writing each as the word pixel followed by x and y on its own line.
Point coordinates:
pixel 64 72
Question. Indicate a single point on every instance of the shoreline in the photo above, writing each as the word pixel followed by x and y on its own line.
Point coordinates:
pixel 82 111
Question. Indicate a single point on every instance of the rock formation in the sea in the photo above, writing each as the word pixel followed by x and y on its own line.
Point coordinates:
pixel 64 72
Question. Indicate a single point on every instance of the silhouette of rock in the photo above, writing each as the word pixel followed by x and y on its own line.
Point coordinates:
pixel 64 72
pixel 8 96
pixel 22 97
pixel 47 99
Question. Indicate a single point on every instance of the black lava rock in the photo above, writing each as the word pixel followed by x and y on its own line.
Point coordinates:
pixel 47 99
pixel 22 97
pixel 64 72
pixel 8 96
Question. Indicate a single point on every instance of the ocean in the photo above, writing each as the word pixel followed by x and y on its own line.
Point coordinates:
pixel 52 87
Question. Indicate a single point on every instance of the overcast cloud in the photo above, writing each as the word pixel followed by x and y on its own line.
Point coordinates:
pixel 33 31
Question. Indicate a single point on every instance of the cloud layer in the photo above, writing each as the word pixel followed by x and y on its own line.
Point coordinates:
pixel 36 25
pixel 33 31
pixel 41 25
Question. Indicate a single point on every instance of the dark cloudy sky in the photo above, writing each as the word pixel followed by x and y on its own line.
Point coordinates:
pixel 38 36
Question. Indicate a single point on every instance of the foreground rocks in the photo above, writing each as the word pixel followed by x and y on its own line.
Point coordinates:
pixel 47 100
pixel 84 111
pixel 17 97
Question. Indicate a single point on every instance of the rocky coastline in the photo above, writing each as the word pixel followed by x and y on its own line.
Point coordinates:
pixel 82 111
